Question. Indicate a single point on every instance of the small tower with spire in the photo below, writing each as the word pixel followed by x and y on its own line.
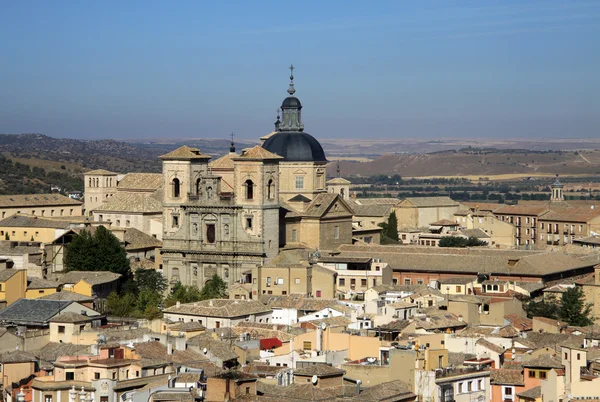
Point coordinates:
pixel 291 118
pixel 557 191
pixel 232 146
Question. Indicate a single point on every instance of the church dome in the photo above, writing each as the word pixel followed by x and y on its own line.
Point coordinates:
pixel 291 102
pixel 295 147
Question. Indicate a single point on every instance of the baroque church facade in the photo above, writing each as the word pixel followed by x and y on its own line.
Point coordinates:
pixel 232 215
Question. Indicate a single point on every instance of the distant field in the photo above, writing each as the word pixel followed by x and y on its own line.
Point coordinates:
pixel 502 165
pixel 500 177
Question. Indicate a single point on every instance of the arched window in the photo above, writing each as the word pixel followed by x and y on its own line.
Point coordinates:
pixel 249 189
pixel 97 182
pixel 342 192
pixel 270 189
pixel 176 188
pixel 90 182
pixel 209 193
pixel 198 182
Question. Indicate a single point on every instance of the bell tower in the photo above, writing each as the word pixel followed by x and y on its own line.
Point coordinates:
pixel 557 191
pixel 256 183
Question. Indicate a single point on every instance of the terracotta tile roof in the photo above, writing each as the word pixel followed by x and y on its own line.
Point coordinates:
pixel 100 172
pixel 376 210
pixel 184 153
pixel 339 321
pixel 544 362
pixel 535 210
pixel 490 345
pixel 257 153
pixel 141 181
pixel 507 331
pixel 183 395
pixel 497 262
pixel 136 239
pixel 225 162
pixel 322 202
pixel 438 321
pixel 17 356
pixel 478 233
pixel 505 376
pixel 292 393
pixel 532 393
pixel 382 200
pixel 570 215
pixel 6 274
pixel 187 326
pixel 338 180
pixel 444 222
pixel 320 370
pixel 397 325
pixel 29 221
pixel 458 280
pixel 71 317
pixel 220 349
pixel 220 308
pixel 132 203
pixel 442 201
pixel 519 323
pixel 68 296
pixel 475 331
pixel 391 390
pixel 53 350
pixel 535 340
pixel 32 200
pixel 158 352
pixel 90 277
pixel 39 283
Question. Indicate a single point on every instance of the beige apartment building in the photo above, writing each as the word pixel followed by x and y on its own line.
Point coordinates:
pixel 418 212
pixel 134 203
pixel 502 234
pixel 294 272
pixel 47 205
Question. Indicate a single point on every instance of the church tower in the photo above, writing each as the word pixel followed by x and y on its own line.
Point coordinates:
pixel 557 191
pixel 183 170
pixel 302 169
pixel 256 183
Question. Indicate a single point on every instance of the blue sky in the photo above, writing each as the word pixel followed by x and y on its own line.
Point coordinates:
pixel 202 69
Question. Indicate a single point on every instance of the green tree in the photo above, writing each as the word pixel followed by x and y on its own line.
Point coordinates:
pixel 215 288
pixel 183 294
pixel 459 241
pixel 542 308
pixel 573 309
pixel 151 280
pixel 121 306
pixel 111 256
pixel 100 252
pixel 389 234
pixel 80 254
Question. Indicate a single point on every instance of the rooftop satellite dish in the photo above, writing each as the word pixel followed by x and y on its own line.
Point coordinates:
pixel 314 379
pixel 205 351
pixel 323 326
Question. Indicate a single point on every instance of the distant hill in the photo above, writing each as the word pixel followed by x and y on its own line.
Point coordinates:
pixel 36 162
pixel 105 154
pixel 478 162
